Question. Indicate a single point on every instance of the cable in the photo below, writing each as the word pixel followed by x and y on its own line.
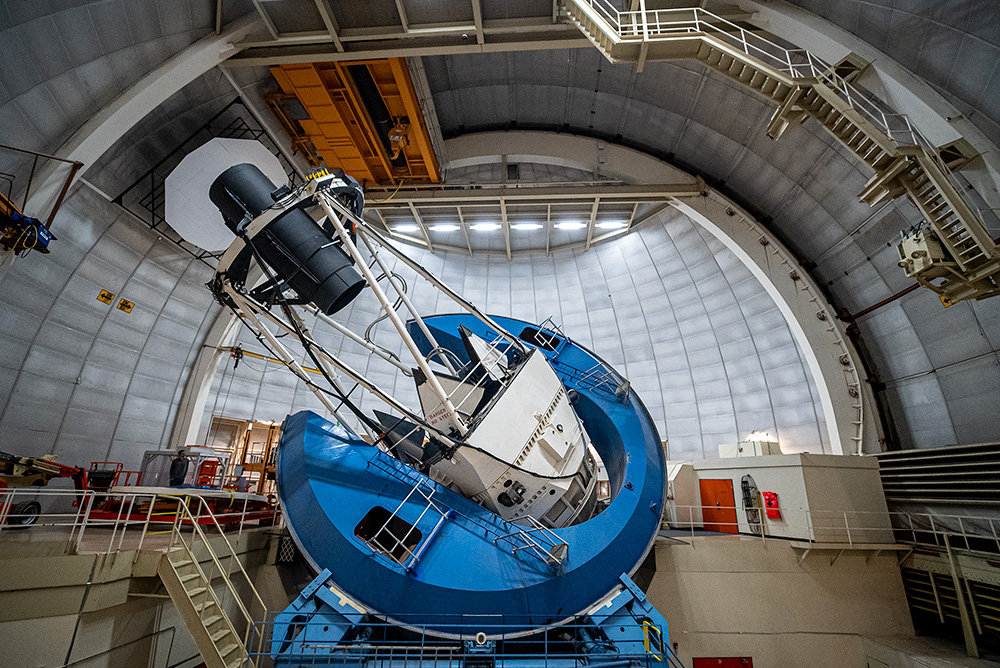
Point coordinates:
pixel 383 201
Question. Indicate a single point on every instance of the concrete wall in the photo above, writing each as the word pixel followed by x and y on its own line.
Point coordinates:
pixel 88 610
pixel 732 597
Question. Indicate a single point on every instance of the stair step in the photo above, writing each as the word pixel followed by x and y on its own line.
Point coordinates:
pixel 228 649
pixel 219 635
pixel 197 590
pixel 204 606
pixel 874 154
pixel 937 207
pixel 208 621
pixel 192 576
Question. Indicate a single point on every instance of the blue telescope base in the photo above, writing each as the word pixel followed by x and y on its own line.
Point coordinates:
pixel 322 628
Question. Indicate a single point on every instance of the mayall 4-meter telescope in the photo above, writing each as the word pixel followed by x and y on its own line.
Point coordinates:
pixel 469 531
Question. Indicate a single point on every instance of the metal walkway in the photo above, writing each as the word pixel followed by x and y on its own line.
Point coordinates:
pixel 955 255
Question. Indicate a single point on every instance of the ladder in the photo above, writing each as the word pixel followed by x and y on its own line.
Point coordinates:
pixel 967 266
pixel 188 578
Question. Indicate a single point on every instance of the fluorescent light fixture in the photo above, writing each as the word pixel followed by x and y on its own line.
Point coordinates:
pixel 405 228
pixel 612 224
pixel 570 225
pixel 759 437
pixel 443 227
pixel 486 227
pixel 526 226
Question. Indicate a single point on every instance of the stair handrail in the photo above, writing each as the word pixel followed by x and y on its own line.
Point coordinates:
pixel 189 550
pixel 184 513
pixel 797 63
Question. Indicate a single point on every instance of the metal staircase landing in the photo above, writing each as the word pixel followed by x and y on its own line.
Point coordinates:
pixel 952 253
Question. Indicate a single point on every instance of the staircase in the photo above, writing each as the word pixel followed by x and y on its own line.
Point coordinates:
pixel 188 569
pixel 953 254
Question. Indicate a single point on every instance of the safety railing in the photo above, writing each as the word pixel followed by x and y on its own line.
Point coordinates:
pixel 850 527
pixel 534 539
pixel 539 540
pixel 98 522
pixel 797 63
pixel 387 541
pixel 188 533
pixel 380 645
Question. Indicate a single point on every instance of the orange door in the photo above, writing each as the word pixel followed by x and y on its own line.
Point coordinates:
pixel 718 505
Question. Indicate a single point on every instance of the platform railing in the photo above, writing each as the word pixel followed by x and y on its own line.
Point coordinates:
pixel 383 647
pixel 99 522
pixel 81 519
pixel 849 527
pixel 188 533
pixel 654 24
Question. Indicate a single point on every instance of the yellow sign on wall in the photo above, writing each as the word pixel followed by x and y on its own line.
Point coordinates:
pixel 106 297
pixel 125 305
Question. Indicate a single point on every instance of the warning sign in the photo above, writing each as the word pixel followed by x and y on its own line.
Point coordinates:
pixel 125 305
pixel 105 296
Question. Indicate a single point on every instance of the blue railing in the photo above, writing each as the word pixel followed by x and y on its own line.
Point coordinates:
pixel 376 643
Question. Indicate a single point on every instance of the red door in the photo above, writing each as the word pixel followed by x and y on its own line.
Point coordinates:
pixel 718 507
pixel 731 662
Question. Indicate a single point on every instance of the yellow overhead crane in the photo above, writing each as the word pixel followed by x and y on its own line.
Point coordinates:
pixel 363 117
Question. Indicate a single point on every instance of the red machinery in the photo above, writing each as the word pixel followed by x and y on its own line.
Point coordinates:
pixel 122 498
pixel 32 472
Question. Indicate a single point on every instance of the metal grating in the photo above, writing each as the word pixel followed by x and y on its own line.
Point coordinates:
pixel 963 474
pixel 286 550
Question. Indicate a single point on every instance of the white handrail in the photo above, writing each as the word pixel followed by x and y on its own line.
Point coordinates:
pixel 797 63
pixel 184 513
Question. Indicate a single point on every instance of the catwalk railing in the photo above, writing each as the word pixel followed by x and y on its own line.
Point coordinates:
pixel 659 24
pixel 654 24
pixel 95 522
pixel 108 523
pixel 842 527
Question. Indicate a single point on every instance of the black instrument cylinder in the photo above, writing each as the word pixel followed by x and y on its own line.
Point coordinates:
pixel 294 246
